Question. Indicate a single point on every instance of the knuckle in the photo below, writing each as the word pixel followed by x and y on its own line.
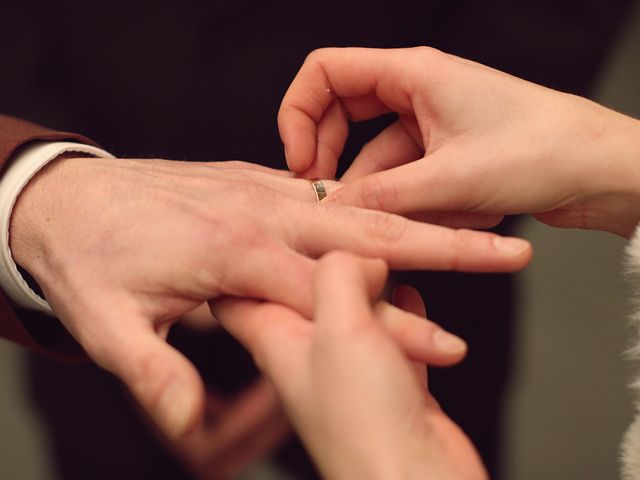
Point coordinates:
pixel 251 191
pixel 235 164
pixel 428 57
pixel 386 230
pixel 378 193
pixel 248 203
pixel 463 243
pixel 428 53
pixel 317 55
pixel 239 239
pixel 464 237
pixel 313 57
pixel 251 237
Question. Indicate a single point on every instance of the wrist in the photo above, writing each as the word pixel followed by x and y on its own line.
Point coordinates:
pixel 31 213
pixel 621 162
pixel 42 209
pixel 17 173
pixel 606 153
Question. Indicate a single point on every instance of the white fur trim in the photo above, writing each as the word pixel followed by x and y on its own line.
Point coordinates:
pixel 630 450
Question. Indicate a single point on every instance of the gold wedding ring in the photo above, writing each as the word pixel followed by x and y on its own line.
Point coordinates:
pixel 318 188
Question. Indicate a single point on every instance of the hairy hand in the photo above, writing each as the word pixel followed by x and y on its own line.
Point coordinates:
pixel 122 248
pixel 235 434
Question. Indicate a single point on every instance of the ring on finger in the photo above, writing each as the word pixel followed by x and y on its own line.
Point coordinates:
pixel 318 188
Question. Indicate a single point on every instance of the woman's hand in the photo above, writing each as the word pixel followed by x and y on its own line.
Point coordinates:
pixel 359 403
pixel 471 144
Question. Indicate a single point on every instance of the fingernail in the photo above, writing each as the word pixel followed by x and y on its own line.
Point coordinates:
pixel 332 197
pixel 447 342
pixel 510 245
pixel 176 409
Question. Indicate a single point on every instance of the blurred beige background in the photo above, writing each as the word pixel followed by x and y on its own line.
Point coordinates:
pixel 569 404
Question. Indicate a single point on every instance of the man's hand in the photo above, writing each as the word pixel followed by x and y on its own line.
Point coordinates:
pixel 352 394
pixel 238 431
pixel 235 433
pixel 122 248
pixel 470 145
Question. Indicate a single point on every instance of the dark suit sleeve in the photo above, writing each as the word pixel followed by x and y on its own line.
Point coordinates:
pixel 14 323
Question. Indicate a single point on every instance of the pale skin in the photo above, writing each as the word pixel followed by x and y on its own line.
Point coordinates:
pixel 471 144
pixel 123 248
pixel 356 399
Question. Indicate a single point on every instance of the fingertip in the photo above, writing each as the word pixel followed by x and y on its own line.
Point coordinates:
pixel 436 346
pixel 421 339
pixel 167 385
pixel 517 249
pixel 511 245
pixel 297 165
pixel 317 170
pixel 180 407
pixel 298 135
pixel 160 378
pixel 473 251
pixel 298 158
pixel 449 344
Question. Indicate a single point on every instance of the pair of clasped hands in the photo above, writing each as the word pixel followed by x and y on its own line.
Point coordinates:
pixel 153 240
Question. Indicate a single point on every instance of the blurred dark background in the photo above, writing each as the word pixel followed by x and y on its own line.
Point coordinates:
pixel 202 80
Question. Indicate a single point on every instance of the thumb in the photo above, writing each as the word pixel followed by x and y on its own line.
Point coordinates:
pixel 440 182
pixel 165 383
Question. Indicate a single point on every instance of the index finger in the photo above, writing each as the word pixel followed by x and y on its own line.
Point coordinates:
pixel 403 244
pixel 345 286
pixel 368 82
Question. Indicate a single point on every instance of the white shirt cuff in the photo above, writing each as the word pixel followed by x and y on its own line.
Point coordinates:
pixel 17 173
